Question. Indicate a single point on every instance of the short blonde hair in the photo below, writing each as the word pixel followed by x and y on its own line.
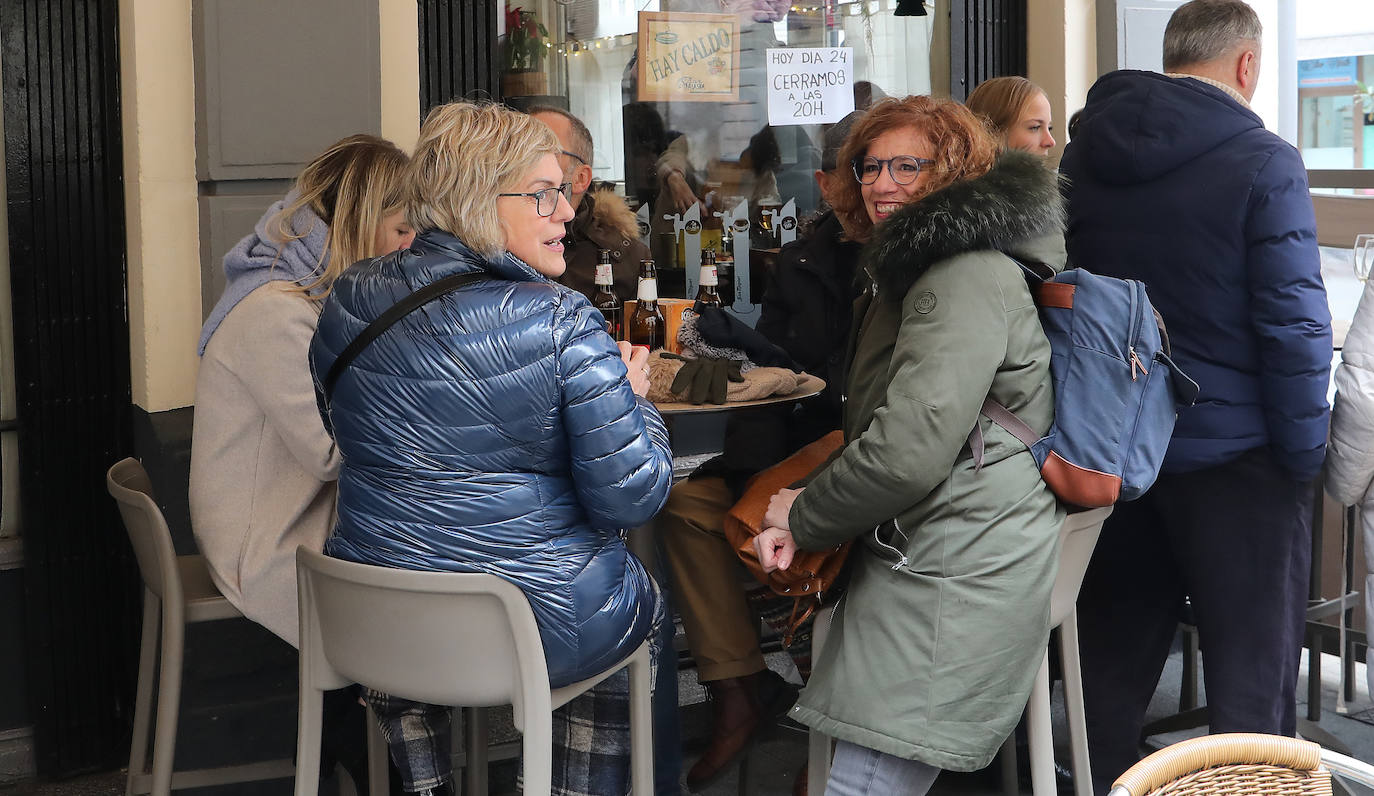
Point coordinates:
pixel 352 187
pixel 1002 100
pixel 964 149
pixel 467 154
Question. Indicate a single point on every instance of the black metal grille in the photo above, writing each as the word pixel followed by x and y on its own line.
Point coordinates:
pixel 66 220
pixel 457 51
pixel 987 39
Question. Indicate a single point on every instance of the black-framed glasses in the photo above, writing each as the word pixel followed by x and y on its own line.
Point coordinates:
pixel 903 169
pixel 574 156
pixel 546 200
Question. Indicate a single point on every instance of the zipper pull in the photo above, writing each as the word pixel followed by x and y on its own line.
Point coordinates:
pixel 1136 363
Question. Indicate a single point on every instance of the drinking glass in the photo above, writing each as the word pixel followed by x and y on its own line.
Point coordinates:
pixel 1364 255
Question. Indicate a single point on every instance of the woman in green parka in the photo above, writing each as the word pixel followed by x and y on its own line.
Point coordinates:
pixel 936 641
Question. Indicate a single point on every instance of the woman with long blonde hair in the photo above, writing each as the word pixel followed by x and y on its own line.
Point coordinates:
pixel 263 469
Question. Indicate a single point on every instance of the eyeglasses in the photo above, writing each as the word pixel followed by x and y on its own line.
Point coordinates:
pixel 903 169
pixel 574 156
pixel 546 200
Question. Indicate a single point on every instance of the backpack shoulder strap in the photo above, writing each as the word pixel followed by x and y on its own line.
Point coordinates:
pixel 387 319
pixel 1008 420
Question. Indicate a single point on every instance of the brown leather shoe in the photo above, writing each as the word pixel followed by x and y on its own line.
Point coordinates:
pixel 799 783
pixel 738 715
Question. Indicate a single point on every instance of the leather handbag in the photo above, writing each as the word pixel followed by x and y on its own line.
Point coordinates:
pixel 813 572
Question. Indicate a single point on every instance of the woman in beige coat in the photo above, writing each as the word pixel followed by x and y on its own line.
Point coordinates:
pixel 263 469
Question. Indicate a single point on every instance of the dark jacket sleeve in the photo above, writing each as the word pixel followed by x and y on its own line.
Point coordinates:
pixel 758 439
pixel 1289 313
pixel 622 462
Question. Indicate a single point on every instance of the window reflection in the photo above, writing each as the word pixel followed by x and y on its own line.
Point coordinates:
pixel 674 158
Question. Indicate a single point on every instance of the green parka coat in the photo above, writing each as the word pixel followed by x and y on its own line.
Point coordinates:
pixel 945 618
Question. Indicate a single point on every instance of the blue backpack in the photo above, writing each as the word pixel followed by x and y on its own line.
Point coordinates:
pixel 1116 391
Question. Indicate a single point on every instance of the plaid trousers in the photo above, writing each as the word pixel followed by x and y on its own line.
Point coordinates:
pixel 591 734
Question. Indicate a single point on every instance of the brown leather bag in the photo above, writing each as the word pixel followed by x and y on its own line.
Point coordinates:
pixel 812 572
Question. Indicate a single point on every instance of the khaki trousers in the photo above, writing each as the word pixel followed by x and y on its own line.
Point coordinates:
pixel 708 580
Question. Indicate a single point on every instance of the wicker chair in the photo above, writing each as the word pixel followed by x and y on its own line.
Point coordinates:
pixel 1240 763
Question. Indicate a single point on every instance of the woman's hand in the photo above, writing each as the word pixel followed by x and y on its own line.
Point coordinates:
pixel 779 507
pixel 775 548
pixel 636 359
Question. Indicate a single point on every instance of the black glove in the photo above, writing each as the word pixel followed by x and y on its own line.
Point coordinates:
pixel 704 379
pixel 723 330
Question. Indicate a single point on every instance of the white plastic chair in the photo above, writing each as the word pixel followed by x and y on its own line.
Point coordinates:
pixel 447 639
pixel 176 590
pixel 1078 535
pixel 1077 538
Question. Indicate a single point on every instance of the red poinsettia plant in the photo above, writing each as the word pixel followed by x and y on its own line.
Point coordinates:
pixel 524 40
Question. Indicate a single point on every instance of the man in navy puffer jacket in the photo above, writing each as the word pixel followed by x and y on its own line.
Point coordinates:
pixel 1173 180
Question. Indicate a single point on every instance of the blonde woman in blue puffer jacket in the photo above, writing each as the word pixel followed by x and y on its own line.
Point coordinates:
pixel 499 429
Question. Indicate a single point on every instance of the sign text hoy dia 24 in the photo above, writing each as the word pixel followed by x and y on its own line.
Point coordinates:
pixel 810 85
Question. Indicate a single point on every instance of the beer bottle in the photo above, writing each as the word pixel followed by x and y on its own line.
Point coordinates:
pixel 646 327
pixel 605 299
pixel 707 281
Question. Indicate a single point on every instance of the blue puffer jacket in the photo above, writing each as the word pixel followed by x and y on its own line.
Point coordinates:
pixel 1173 182
pixel 494 430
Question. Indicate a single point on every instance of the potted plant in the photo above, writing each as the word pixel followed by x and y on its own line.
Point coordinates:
pixel 524 54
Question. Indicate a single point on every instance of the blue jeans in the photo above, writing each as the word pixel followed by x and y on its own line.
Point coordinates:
pixel 859 771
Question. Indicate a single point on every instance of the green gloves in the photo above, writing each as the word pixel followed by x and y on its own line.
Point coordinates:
pixel 704 379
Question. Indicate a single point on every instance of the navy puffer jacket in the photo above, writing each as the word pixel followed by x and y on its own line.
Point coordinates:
pixel 1175 183
pixel 494 430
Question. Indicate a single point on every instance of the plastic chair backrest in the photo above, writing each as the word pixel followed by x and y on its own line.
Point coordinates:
pixel 438 637
pixel 129 485
pixel 1077 538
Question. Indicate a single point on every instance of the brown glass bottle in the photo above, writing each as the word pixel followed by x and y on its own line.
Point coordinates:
pixel 605 299
pixel 646 326
pixel 707 280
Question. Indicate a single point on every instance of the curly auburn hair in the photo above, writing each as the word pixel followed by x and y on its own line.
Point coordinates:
pixel 964 149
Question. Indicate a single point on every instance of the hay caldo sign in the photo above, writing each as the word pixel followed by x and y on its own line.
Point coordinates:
pixel 688 57
pixel 810 85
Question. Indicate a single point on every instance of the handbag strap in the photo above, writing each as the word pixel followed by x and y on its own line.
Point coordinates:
pixel 393 314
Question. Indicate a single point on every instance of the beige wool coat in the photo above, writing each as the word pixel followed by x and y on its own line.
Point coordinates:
pixel 263 469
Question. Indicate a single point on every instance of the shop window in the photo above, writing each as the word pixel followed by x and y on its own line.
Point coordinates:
pixel 688 122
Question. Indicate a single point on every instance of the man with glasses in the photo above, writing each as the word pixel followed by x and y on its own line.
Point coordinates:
pixel 603 221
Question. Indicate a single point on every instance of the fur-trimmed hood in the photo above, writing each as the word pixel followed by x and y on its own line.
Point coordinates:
pixel 1015 208
pixel 606 210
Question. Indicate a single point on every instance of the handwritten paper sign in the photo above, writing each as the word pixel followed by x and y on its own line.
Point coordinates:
pixel 810 85
pixel 688 57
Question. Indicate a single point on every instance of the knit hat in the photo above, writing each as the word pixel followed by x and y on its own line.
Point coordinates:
pixel 833 139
